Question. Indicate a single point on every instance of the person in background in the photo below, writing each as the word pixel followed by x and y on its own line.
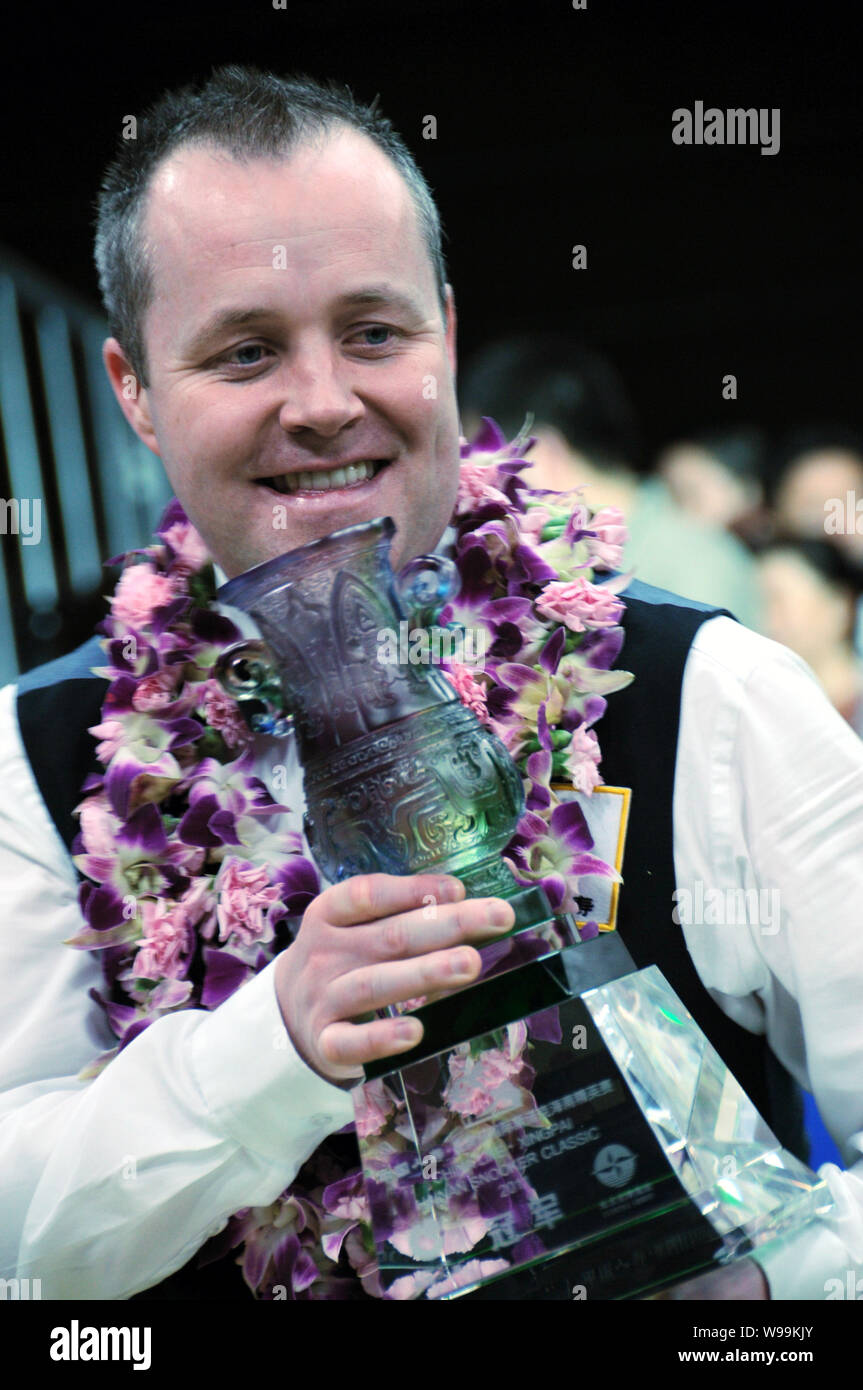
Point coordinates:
pixel 587 432
pixel 718 477
pixel 811 589
pixel 819 470
pixel 818 484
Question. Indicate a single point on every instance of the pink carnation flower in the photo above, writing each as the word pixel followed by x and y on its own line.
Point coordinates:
pixel 246 897
pixel 476 487
pixel 482 1085
pixel 190 553
pixel 582 759
pixel 469 690
pixel 373 1106
pixel 582 606
pixel 223 715
pixel 140 591
pixel 154 692
pixel 606 548
pixel 167 941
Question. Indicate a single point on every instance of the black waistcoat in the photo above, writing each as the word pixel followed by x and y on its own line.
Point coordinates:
pixel 638 737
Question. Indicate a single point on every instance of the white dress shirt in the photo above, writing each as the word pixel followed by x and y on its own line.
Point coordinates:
pixel 108 1186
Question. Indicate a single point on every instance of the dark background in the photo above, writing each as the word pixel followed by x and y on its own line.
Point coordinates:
pixel 554 128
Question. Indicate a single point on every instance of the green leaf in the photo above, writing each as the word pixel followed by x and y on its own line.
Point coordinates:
pixel 212 745
pixel 202 586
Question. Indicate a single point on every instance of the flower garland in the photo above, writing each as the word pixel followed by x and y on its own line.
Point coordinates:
pixel 191 888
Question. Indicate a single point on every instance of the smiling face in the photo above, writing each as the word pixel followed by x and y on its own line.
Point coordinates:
pixel 295 330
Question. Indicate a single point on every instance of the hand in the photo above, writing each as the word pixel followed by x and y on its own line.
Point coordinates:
pixel 743 1281
pixel 372 941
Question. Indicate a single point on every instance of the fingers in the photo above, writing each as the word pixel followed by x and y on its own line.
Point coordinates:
pixel 409 936
pixel 368 897
pixel 416 933
pixel 345 1045
pixel 375 986
pixel 401 957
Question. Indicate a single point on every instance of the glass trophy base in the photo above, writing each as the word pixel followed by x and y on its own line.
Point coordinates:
pixel 583 1141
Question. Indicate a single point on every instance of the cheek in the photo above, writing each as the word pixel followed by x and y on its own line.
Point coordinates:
pixel 200 423
pixel 433 427
pixel 440 478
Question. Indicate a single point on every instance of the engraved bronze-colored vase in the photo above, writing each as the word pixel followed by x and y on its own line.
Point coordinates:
pixel 400 777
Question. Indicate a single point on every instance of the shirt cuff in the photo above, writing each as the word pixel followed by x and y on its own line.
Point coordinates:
pixel 257 1088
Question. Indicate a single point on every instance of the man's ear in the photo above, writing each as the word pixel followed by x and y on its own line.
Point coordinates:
pixel 450 328
pixel 132 397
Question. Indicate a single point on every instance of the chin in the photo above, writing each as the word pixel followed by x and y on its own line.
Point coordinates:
pixel 258 548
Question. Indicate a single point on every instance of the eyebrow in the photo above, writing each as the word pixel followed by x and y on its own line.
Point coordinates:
pixel 370 296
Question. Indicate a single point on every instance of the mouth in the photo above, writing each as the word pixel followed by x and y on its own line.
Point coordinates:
pixel 320 481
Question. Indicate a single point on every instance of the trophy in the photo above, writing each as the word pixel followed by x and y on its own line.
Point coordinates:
pixel 564 1130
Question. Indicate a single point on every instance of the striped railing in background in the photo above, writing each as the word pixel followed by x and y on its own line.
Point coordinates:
pixel 76 485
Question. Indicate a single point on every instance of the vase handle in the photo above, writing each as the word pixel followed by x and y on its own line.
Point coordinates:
pixel 423 585
pixel 247 672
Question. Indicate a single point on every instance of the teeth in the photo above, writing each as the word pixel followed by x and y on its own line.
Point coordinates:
pixel 323 482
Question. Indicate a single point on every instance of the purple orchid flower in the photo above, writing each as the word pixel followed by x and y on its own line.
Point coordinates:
pixel 140 861
pixel 223 975
pixel 208 824
pixel 557 855
pixel 538 769
pixel 232 786
pixel 298 883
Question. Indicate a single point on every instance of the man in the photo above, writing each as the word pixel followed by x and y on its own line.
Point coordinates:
pixel 270 264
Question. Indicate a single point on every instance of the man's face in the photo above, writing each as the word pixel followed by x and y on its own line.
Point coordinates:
pixel 295 330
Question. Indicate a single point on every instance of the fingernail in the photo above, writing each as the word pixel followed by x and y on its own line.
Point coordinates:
pixel 449 890
pixel 501 914
pixel 460 966
pixel 408 1030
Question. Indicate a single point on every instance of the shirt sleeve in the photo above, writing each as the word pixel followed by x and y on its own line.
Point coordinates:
pixel 108 1186
pixel 769 800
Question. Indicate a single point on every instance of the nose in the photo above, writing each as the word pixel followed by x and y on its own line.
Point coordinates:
pixel 318 396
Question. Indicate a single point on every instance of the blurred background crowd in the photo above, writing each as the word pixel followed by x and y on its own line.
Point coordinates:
pixel 765 527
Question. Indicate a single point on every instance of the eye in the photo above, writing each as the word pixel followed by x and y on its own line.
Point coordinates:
pixel 244 348
pixel 376 335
